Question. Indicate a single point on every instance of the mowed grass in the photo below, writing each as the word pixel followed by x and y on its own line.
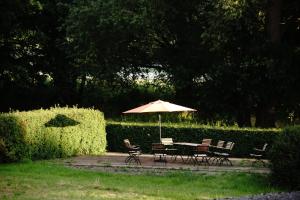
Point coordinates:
pixel 52 180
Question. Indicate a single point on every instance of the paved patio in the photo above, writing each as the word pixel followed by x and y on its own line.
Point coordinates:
pixel 112 161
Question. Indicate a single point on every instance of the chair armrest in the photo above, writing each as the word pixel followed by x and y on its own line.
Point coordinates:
pixel 259 150
pixel 134 147
pixel 216 148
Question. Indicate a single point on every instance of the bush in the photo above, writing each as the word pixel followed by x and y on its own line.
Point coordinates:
pixel 146 134
pixel 285 158
pixel 53 133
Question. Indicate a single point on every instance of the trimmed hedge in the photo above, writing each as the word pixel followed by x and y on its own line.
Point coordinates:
pixel 53 133
pixel 285 158
pixel 145 135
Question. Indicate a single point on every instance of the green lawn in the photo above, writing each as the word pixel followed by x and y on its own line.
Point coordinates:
pixel 51 180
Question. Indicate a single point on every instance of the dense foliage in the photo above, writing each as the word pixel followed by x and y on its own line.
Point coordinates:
pixel 145 134
pixel 57 132
pixel 285 158
pixel 232 60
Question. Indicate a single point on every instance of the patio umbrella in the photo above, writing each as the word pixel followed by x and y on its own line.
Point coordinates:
pixel 159 107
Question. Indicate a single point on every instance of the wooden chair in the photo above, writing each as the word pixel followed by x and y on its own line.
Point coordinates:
pixel 134 152
pixel 226 154
pixel 223 154
pixel 159 151
pixel 215 150
pixel 206 141
pixel 220 144
pixel 259 154
pixel 201 152
pixel 170 150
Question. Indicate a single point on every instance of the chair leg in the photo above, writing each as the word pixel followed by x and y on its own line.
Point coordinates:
pixel 217 160
pixel 132 159
pixel 225 161
pixel 137 160
pixel 209 161
pixel 213 159
pixel 228 161
pixel 195 160
pixel 182 158
pixel 221 160
pixel 173 157
pixel 127 159
pixel 205 160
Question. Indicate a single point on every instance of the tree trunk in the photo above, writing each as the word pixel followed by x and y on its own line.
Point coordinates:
pixel 243 118
pixel 273 23
pixel 265 117
pixel 81 89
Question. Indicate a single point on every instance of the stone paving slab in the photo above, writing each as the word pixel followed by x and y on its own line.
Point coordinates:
pixel 115 162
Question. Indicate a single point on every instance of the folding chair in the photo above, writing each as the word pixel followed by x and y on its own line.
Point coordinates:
pixel 206 141
pixel 259 155
pixel 134 152
pixel 215 150
pixel 201 152
pixel 224 156
pixel 159 151
pixel 170 150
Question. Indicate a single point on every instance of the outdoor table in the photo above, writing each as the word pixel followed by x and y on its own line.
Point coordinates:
pixel 187 144
pixel 188 148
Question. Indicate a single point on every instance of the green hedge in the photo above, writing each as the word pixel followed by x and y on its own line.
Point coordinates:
pixel 145 135
pixel 285 158
pixel 57 132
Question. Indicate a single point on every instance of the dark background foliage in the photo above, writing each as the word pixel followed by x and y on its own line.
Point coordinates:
pixel 232 60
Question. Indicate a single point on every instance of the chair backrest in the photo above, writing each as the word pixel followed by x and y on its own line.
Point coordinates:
pixel 202 148
pixel 166 141
pixel 229 145
pixel 127 144
pixel 232 145
pixel 265 147
pixel 157 146
pixel 206 141
pixel 220 144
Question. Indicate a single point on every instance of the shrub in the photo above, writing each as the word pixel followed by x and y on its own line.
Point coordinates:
pixel 285 158
pixel 57 132
pixel 146 134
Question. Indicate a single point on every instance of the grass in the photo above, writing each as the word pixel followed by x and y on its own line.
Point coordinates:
pixel 52 180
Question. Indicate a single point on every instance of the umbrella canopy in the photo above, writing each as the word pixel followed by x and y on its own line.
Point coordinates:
pixel 158 107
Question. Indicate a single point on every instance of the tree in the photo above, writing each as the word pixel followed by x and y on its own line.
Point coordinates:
pixel 254 77
pixel 56 61
pixel 179 47
pixel 19 49
pixel 109 39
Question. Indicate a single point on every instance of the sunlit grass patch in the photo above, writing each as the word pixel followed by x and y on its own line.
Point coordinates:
pixel 52 180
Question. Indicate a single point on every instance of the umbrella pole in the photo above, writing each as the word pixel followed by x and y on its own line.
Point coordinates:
pixel 159 121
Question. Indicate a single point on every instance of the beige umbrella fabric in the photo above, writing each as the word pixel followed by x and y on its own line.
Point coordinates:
pixel 159 106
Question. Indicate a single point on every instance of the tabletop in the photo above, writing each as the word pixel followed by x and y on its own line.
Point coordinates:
pixel 189 144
